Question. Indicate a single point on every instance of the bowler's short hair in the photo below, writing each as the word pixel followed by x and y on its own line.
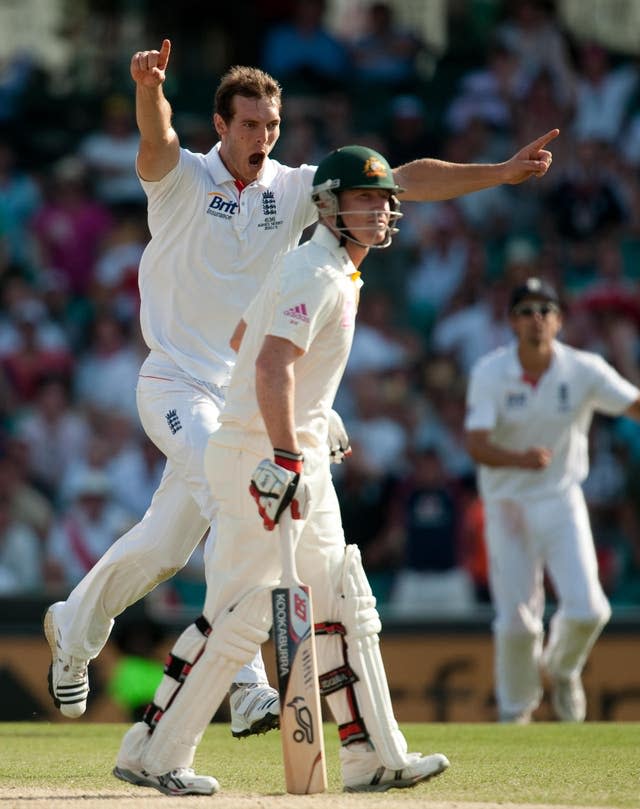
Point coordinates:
pixel 249 82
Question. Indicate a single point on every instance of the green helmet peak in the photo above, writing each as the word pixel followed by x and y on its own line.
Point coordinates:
pixel 354 167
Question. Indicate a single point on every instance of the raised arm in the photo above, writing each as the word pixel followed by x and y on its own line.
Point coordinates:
pixel 159 145
pixel 429 180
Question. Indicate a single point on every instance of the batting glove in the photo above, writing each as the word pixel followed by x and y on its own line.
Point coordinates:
pixel 338 440
pixel 277 484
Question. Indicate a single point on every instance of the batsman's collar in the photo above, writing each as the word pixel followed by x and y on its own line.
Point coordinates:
pixel 324 237
pixel 221 174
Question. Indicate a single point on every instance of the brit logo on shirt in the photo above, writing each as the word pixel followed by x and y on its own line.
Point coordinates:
pixel 221 206
pixel 515 400
pixel 270 211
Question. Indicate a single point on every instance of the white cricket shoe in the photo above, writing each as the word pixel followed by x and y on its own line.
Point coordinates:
pixel 182 781
pixel 568 698
pixel 255 709
pixel 362 771
pixel 68 676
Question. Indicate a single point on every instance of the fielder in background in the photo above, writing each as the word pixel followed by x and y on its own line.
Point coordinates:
pixel 293 343
pixel 530 405
pixel 218 223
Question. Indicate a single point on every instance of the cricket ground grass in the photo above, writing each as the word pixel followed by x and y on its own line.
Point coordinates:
pixel 68 764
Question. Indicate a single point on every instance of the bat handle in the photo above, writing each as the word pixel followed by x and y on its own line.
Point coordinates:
pixel 290 530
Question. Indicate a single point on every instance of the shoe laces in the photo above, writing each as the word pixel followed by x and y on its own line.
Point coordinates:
pixel 77 667
pixel 182 772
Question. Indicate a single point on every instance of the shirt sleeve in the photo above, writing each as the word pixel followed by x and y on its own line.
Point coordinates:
pixel 482 409
pixel 306 209
pixel 305 303
pixel 181 176
pixel 178 188
pixel 612 393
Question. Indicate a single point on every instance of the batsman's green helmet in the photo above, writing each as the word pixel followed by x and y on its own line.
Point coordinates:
pixel 354 167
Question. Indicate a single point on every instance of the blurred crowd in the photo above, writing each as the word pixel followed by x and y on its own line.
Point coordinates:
pixel 75 467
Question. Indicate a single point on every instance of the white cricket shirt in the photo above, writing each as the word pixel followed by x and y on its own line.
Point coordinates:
pixel 556 414
pixel 211 248
pixel 311 300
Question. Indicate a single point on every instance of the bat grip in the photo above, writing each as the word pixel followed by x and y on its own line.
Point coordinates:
pixel 290 530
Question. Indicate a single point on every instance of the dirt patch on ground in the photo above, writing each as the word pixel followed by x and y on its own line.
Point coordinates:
pixel 149 799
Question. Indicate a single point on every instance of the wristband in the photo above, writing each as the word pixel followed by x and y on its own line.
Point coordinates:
pixel 289 460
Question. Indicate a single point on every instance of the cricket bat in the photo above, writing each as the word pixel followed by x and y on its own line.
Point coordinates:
pixel 305 768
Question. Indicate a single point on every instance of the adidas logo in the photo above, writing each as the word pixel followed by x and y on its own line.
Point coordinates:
pixel 298 312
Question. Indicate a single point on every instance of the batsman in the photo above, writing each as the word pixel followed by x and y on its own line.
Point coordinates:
pixel 292 346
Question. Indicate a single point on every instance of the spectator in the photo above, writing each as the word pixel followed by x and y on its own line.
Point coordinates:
pixel 300 141
pixel 84 531
pixel 408 136
pixel 71 225
pixel 20 199
pixel 135 474
pixel 107 373
pixel 585 202
pixel 487 93
pixel 385 56
pixel 54 434
pixel 20 301
pixel 382 439
pixel 531 31
pixel 378 345
pixel 603 94
pixel 440 266
pixel 17 70
pixel 336 119
pixel 612 288
pixel 478 327
pixel 29 507
pixel 443 431
pixel 31 360
pixel 116 274
pixel 94 461
pixel 110 155
pixel 431 579
pixel 471 538
pixel 604 494
pixel 302 54
pixel 364 490
pixel 630 138
pixel 20 559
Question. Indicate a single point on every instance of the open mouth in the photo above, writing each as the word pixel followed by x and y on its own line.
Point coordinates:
pixel 256 159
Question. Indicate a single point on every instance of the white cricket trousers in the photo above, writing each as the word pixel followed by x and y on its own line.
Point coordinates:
pixel 524 538
pixel 245 561
pixel 178 413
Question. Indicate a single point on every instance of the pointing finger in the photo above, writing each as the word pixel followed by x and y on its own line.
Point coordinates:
pixel 163 56
pixel 544 139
